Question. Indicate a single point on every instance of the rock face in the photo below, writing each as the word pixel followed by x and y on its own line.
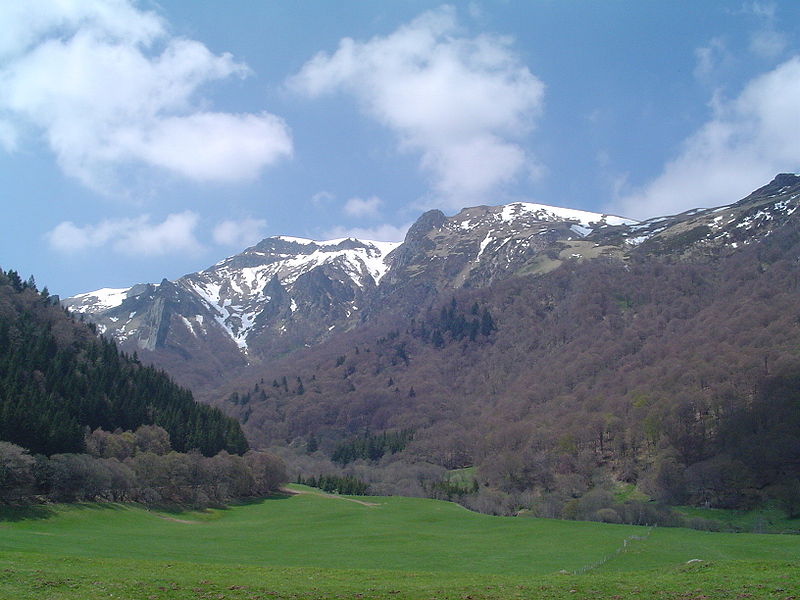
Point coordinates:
pixel 278 295
pixel 285 293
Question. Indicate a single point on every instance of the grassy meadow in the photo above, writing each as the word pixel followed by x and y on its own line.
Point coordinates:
pixel 311 545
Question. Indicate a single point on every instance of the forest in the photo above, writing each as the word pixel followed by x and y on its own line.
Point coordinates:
pixel 80 421
pixel 677 377
pixel 58 377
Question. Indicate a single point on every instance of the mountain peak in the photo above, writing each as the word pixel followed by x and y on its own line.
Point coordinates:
pixel 428 221
pixel 782 183
pixel 530 213
pixel 286 292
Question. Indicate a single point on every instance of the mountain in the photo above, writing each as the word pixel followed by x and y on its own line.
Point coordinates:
pixel 287 293
pixel 552 349
pixel 670 361
pixel 279 295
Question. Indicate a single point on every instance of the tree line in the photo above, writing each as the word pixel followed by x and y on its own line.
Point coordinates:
pixel 136 466
pixel 336 484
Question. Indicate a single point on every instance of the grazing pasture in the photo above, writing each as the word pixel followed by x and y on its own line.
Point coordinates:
pixel 311 545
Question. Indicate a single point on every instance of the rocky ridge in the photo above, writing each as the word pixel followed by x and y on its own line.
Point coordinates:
pixel 285 293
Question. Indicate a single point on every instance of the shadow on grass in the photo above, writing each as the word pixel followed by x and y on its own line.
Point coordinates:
pixel 11 513
pixel 25 513
pixel 97 505
pixel 178 510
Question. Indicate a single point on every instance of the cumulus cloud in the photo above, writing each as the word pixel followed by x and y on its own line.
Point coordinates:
pixel 108 86
pixel 748 141
pixel 240 234
pixel 461 102
pixel 134 237
pixel 379 233
pixel 360 208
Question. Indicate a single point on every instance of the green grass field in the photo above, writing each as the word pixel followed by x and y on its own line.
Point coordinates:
pixel 760 520
pixel 312 546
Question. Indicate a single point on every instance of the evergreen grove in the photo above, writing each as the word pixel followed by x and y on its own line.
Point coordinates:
pixel 58 378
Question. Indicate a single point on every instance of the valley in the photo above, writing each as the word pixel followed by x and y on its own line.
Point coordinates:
pixel 436 301
pixel 557 352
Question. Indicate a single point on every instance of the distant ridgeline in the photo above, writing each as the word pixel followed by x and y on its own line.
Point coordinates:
pixel 57 378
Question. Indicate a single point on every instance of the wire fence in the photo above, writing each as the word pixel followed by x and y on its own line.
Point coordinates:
pixel 625 543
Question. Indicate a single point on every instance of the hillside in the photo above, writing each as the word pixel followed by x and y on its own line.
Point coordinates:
pixel 560 352
pixel 286 294
pixel 673 370
pixel 58 378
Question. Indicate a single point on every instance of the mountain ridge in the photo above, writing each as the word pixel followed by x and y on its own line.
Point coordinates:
pixel 286 293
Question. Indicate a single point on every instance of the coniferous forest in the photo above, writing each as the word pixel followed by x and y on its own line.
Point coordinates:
pixel 58 379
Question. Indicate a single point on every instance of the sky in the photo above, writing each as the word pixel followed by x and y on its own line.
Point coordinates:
pixel 142 140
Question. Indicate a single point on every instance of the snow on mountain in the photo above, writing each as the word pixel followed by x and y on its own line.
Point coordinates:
pixel 236 290
pixel 543 212
pixel 98 300
pixel 518 222
pixel 288 292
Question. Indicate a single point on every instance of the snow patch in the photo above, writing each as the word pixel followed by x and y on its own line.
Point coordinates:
pixel 188 325
pixel 100 300
pixel 295 240
pixel 486 241
pixel 543 212
pixel 580 230
pixel 635 241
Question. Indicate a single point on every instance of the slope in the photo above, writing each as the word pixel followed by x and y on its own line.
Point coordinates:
pixel 58 378
pixel 643 367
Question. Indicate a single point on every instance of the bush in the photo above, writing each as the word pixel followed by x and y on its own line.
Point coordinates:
pixel 16 471
pixel 703 524
pixel 607 515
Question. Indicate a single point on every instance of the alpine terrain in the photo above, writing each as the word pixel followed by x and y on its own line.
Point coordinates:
pixel 558 351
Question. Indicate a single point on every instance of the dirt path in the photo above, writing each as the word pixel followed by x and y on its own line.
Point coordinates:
pixel 326 495
pixel 174 520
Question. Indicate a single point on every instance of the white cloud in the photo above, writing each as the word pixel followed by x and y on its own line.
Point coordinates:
pixel 709 58
pixel 118 18
pixel 108 86
pixel 764 10
pixel 8 136
pixel 379 233
pixel 459 101
pixel 747 142
pixel 360 208
pixel 135 237
pixel 322 196
pixel 240 234
pixel 768 43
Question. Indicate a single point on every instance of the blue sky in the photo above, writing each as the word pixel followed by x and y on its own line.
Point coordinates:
pixel 142 140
